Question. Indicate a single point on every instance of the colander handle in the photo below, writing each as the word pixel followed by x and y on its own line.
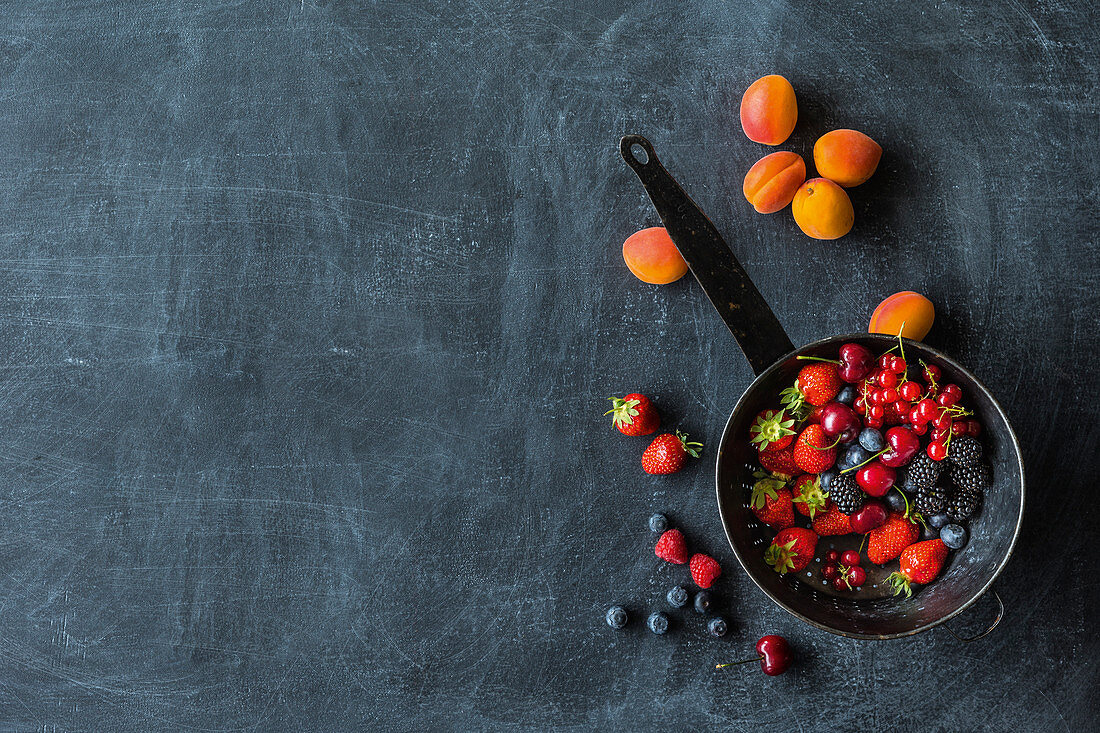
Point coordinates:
pixel 1000 615
pixel 727 285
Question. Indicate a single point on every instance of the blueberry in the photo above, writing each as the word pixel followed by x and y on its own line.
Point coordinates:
pixel 939 520
pixel 657 623
pixel 616 617
pixel 854 456
pixel 872 440
pixel 717 626
pixel 847 395
pixel 658 523
pixel 954 536
pixel 703 599
pixel 896 501
pixel 678 597
pixel 827 478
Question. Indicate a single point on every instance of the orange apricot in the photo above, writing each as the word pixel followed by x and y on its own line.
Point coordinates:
pixel 908 312
pixel 846 157
pixel 771 182
pixel 769 110
pixel 822 209
pixel 653 258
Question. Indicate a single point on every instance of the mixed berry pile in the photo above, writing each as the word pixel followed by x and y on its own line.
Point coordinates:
pixel 870 446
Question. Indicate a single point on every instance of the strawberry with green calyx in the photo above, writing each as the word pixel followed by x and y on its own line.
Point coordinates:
pixel 791 550
pixel 794 403
pixel 809 498
pixel 887 541
pixel 813 453
pixel 770 501
pixel 818 383
pixel 832 522
pixel 634 414
pixel 668 453
pixel 771 430
pixel 920 563
pixel 780 461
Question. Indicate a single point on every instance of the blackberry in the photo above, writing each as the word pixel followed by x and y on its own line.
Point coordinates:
pixel 923 471
pixel 963 504
pixel 965 450
pixel 846 494
pixel 974 478
pixel 931 500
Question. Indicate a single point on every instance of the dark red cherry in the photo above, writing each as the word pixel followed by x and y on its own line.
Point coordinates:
pixel 776 653
pixel 855 363
pixel 870 516
pixel 903 443
pixel 875 478
pixel 839 421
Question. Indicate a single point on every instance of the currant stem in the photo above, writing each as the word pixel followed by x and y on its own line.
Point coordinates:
pixel 818 358
pixel 852 468
pixel 734 664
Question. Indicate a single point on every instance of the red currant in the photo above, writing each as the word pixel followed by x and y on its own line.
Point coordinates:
pixel 943 421
pixel 939 436
pixel 919 429
pixel 876 412
pixel 953 389
pixel 932 373
pixel 959 427
pixel 886 360
pixel 860 407
pixel 898 365
pixel 830 571
pixel 850 558
pixel 937 451
pixel 946 399
pixel 929 411
pixel 888 379
pixel 832 556
pixel 915 416
pixel 974 428
pixel 857 576
pixel 874 422
pixel 910 391
pixel 840 583
pixel 889 396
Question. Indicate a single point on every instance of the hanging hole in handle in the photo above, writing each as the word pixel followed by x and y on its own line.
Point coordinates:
pixel 636 151
pixel 989 629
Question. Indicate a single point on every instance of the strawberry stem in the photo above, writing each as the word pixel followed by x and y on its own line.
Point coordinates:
pixel 852 468
pixel 734 664
pixel 818 358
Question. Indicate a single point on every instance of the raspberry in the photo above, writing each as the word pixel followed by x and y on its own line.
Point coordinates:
pixel 672 547
pixel 704 570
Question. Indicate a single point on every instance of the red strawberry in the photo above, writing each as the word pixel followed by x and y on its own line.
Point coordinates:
pixel 818 382
pixel 809 499
pixel 780 461
pixel 832 522
pixel 672 547
pixel 812 451
pixel 791 550
pixel 920 563
pixel 887 541
pixel 771 430
pixel 704 570
pixel 771 503
pixel 634 414
pixel 668 453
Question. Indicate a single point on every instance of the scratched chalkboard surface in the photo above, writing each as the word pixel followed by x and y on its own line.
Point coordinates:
pixel 309 311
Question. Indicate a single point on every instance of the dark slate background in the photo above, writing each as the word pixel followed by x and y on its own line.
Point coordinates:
pixel 309 311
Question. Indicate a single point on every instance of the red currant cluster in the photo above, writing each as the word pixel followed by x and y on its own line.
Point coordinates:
pixel 886 396
pixel 843 570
